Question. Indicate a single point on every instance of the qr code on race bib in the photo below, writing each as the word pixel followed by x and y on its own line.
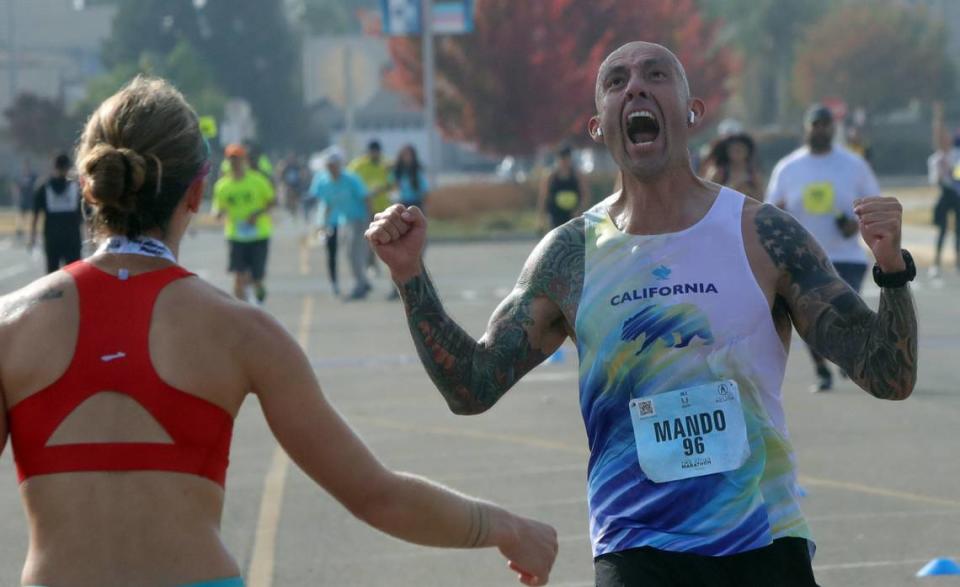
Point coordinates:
pixel 645 408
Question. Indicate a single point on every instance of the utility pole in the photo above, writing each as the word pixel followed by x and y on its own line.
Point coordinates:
pixel 349 109
pixel 429 104
pixel 12 54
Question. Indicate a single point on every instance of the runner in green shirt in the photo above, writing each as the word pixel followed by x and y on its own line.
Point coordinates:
pixel 244 198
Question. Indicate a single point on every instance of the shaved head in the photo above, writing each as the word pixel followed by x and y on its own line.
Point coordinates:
pixel 654 48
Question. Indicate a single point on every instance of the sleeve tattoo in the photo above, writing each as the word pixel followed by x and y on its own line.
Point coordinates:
pixel 472 375
pixel 877 349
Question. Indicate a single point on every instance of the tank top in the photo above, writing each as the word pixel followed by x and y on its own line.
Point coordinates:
pixel 665 312
pixel 67 201
pixel 112 354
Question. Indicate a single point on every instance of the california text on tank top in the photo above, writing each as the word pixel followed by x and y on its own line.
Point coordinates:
pixel 705 319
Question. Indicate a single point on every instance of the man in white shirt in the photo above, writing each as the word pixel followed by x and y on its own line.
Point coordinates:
pixel 818 185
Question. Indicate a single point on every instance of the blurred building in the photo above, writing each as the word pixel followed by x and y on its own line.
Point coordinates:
pixel 343 87
pixel 49 48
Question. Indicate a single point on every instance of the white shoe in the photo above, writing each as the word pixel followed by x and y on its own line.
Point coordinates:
pixel 933 272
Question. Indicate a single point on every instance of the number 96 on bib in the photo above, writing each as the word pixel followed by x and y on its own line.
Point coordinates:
pixel 690 432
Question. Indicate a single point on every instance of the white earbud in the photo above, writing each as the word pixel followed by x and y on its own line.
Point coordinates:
pixel 599 132
pixel 693 117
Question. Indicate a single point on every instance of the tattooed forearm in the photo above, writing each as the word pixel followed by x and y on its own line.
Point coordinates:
pixel 472 375
pixel 877 349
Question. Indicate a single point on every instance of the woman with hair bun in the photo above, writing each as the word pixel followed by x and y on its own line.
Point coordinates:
pixel 121 428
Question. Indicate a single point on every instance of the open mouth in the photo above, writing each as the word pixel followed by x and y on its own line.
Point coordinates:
pixel 642 127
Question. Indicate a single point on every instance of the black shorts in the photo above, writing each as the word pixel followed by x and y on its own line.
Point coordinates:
pixel 249 257
pixel 785 563
pixel 948 203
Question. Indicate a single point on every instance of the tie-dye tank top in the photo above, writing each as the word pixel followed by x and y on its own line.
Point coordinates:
pixel 665 312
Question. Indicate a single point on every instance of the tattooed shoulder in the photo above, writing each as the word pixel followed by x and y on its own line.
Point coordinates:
pixel 556 267
pixel 789 245
pixel 14 305
pixel 50 294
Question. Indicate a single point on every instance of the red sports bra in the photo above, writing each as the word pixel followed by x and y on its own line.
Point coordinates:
pixel 112 354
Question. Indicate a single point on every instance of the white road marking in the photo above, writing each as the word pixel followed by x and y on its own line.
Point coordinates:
pixel 265 539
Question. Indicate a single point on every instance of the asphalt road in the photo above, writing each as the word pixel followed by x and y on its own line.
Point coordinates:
pixel 883 479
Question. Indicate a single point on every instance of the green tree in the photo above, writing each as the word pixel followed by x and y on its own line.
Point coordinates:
pixel 256 55
pixel 242 48
pixel 149 26
pixel 333 17
pixel 766 32
pixel 877 57
pixel 182 66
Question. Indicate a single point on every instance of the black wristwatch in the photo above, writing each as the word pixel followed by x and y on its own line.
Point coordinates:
pixel 898 279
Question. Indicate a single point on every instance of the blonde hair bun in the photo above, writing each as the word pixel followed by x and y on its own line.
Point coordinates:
pixel 113 176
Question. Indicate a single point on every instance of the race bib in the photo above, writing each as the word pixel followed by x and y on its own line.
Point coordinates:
pixel 690 432
pixel 566 200
pixel 246 230
pixel 819 198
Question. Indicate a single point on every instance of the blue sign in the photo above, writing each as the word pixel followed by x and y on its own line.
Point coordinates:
pixel 401 17
pixel 404 17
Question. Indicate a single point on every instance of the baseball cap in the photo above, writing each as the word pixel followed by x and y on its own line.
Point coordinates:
pixel 235 150
pixel 333 155
pixel 818 113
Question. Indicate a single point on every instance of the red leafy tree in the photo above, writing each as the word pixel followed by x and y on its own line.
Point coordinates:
pixel 525 77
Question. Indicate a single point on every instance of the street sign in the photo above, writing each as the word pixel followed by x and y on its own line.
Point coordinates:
pixel 453 18
pixel 403 17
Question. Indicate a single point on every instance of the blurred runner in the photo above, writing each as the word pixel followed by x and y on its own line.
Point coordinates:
pixel 819 184
pixel 563 192
pixel 857 143
pixel 733 164
pixel 293 181
pixel 944 172
pixel 412 188
pixel 346 209
pixel 409 179
pixel 23 188
pixel 244 198
pixel 122 376
pixel 374 171
pixel 58 200
pixel 679 296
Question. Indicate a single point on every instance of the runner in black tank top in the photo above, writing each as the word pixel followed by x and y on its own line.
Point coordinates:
pixel 562 195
